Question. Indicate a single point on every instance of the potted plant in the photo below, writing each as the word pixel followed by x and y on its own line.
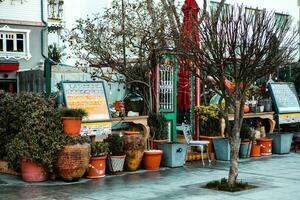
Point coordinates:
pixel 209 125
pixel 246 133
pixel 116 154
pixel 38 137
pixel 73 159
pixel 158 129
pixel 98 160
pixel 71 119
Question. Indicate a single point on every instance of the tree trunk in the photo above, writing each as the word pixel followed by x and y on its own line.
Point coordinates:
pixel 234 140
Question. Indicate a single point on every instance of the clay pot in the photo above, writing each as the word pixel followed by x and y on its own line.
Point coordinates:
pixel 32 171
pixel 255 150
pixel 73 161
pixel 72 126
pixel 246 109
pixel 97 167
pixel 134 146
pixel 151 159
pixel 265 146
pixel 156 142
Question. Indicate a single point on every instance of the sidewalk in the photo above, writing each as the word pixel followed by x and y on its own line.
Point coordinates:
pixel 277 176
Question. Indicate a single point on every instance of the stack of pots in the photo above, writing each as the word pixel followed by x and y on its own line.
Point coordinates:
pixel 73 160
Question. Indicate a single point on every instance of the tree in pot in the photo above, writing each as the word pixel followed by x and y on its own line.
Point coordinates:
pixel 98 160
pixel 71 119
pixel 247 132
pixel 116 154
pixel 35 147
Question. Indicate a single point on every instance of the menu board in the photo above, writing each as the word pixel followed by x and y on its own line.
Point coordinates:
pixel 88 95
pixel 285 97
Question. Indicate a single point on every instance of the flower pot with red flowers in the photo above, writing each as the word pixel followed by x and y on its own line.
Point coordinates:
pixel 71 119
pixel 97 164
pixel 116 155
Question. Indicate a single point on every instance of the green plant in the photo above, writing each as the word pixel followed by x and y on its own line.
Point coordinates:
pixel 99 148
pixel 158 126
pixel 73 112
pixel 55 53
pixel 9 124
pixel 40 134
pixel 115 145
pixel 209 120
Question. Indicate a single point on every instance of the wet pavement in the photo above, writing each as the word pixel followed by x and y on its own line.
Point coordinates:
pixel 277 177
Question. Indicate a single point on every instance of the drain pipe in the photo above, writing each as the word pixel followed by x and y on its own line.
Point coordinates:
pixel 47 62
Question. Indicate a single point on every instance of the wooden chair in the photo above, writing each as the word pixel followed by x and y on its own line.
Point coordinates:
pixel 195 143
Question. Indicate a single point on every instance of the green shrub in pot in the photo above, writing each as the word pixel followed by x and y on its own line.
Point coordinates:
pixel 40 135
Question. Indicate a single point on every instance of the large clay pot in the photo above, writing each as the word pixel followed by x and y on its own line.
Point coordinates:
pixel 72 126
pixel 97 167
pixel 73 161
pixel 151 159
pixel 32 171
pixel 134 146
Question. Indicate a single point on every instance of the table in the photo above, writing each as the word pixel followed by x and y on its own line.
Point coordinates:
pixel 139 120
pixel 262 115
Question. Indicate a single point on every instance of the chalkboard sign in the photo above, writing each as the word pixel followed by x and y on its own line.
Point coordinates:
pixel 88 95
pixel 285 97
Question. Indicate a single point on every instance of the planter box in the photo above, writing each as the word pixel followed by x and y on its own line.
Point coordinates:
pixel 281 142
pixel 222 148
pixel 245 149
pixel 174 154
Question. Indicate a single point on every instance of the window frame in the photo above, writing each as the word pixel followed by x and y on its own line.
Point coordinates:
pixel 25 54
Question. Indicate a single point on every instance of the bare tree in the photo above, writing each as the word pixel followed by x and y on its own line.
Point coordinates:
pixel 240 45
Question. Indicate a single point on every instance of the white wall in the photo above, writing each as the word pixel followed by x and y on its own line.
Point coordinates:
pixel 28 10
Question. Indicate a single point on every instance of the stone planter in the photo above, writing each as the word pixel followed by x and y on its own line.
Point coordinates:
pixel 222 148
pixel 245 149
pixel 173 154
pixel 281 142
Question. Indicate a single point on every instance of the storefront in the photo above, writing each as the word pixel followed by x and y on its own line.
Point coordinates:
pixel 8 76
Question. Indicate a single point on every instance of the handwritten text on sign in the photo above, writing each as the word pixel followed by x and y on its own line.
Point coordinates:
pixel 89 96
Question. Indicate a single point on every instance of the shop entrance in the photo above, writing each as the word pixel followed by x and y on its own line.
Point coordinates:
pixel 8 86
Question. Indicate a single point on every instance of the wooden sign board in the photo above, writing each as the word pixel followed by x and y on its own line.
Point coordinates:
pixel 88 95
pixel 285 97
pixel 288 118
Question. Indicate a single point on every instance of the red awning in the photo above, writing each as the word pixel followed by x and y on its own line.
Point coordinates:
pixel 9 66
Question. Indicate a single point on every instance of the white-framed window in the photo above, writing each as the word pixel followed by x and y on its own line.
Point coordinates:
pixel 14 43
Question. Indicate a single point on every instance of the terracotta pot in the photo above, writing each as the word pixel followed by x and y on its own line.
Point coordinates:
pixel 73 161
pixel 32 171
pixel 97 167
pixel 116 163
pixel 265 146
pixel 151 159
pixel 134 146
pixel 246 109
pixel 255 150
pixel 72 125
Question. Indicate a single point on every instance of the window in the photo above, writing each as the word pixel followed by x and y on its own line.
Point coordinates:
pixel 14 43
pixel 280 19
pixel 214 6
